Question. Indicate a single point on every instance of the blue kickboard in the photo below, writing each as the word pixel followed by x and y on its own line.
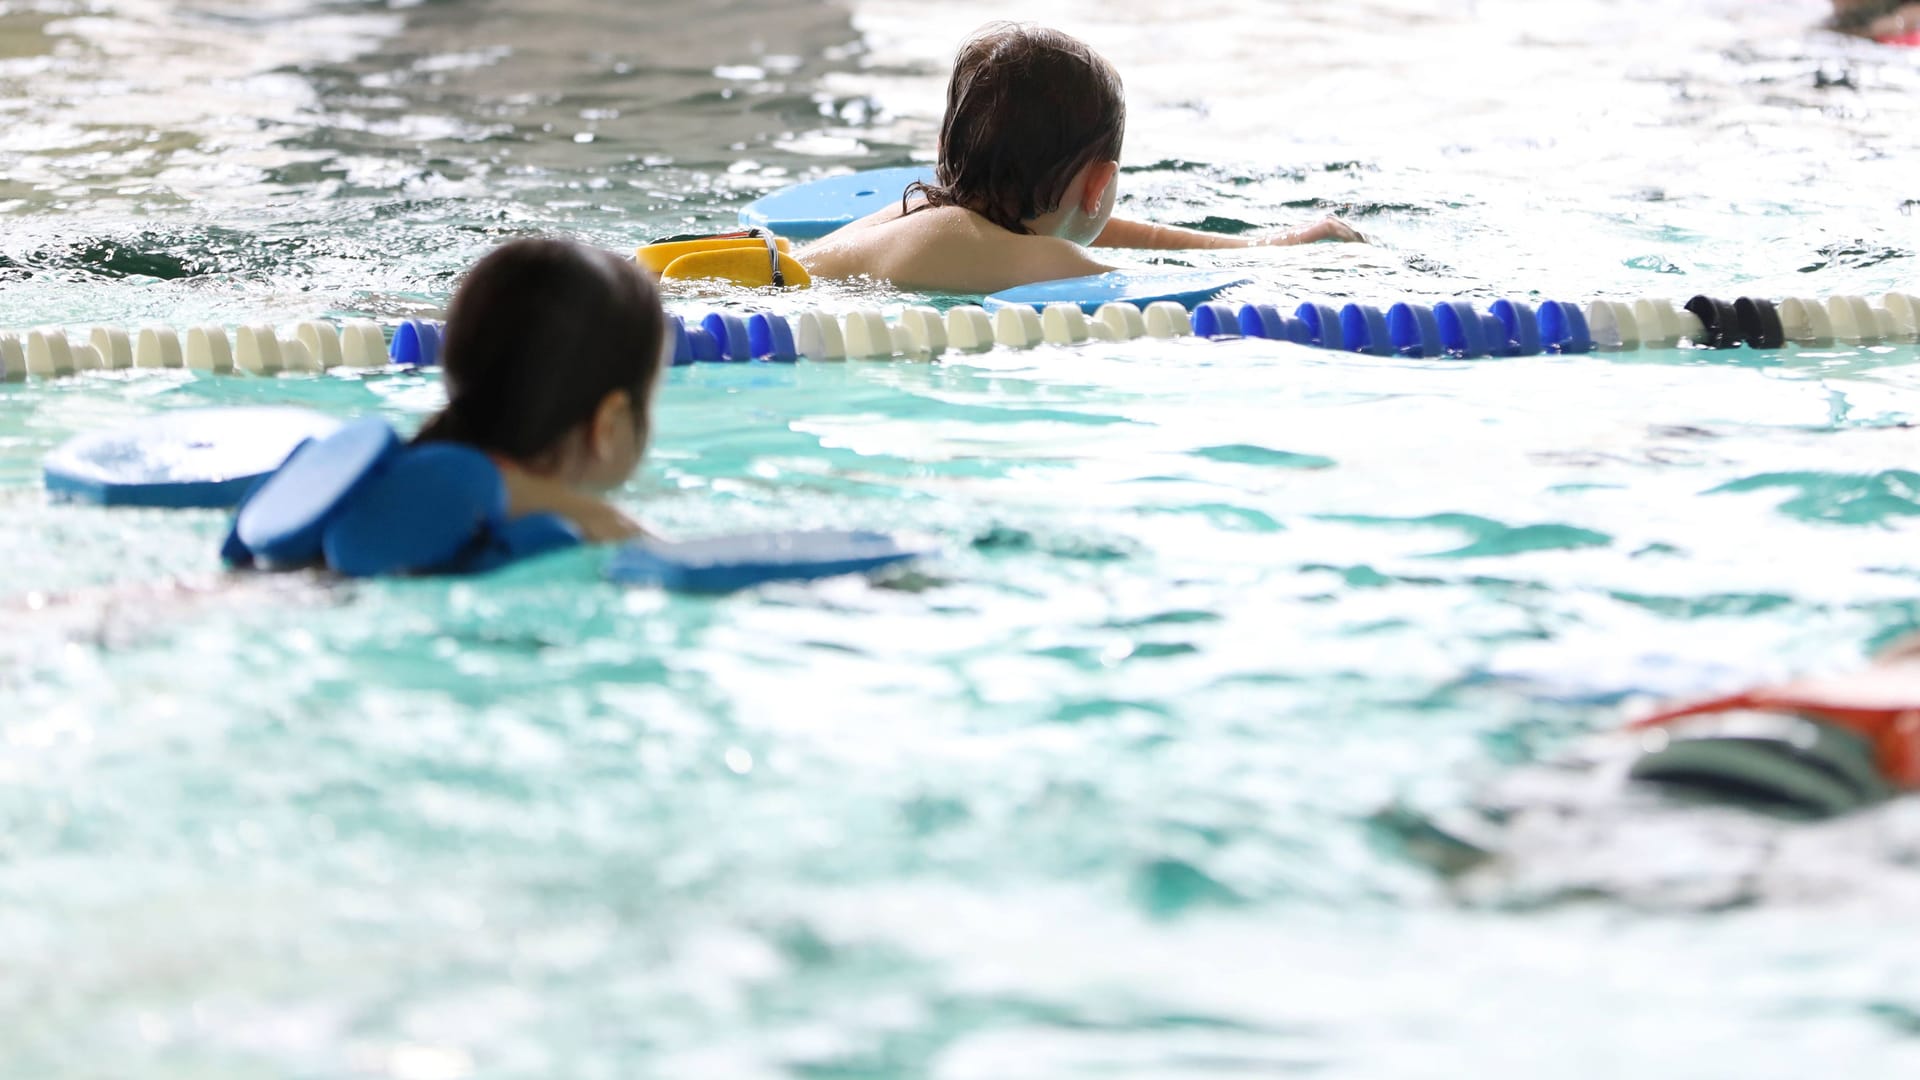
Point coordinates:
pixel 812 210
pixel 1189 288
pixel 729 563
pixel 187 458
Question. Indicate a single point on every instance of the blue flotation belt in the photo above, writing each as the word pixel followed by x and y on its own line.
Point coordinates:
pixel 364 504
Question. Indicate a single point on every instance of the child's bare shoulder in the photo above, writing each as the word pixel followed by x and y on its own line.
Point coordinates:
pixel 944 249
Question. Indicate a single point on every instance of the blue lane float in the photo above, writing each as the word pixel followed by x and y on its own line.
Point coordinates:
pixel 1462 331
pixel 1563 328
pixel 1323 326
pixel 1269 323
pixel 724 338
pixel 814 209
pixel 702 345
pixel 729 333
pixel 1519 328
pixel 416 343
pixel 681 348
pixel 770 338
pixel 1188 288
pixel 731 563
pixel 1215 320
pixel 1363 329
pixel 190 458
pixel 1415 331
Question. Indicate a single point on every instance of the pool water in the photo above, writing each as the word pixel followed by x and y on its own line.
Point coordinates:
pixel 1099 790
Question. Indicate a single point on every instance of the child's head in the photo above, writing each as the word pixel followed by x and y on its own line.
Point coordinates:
pixel 1032 134
pixel 551 356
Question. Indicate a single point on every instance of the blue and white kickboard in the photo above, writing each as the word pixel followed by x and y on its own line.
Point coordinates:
pixel 812 210
pixel 1188 288
pixel 729 563
pixel 188 458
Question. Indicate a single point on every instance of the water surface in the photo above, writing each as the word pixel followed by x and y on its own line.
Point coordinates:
pixel 1094 793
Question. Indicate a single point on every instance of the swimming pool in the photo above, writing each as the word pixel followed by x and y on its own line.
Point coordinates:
pixel 1095 793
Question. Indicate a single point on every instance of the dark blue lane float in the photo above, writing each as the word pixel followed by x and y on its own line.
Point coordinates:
pixel 355 498
pixel 416 344
pixel 1266 321
pixel 1563 328
pixel 727 338
pixel 1519 328
pixel 1323 326
pixel 1455 329
pixel 1214 320
pixel 1415 331
pixel 1363 329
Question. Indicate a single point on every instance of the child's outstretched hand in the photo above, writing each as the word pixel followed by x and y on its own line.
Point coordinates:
pixel 1329 228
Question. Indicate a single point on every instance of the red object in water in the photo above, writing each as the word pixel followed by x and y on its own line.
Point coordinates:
pixel 1911 37
pixel 1881 703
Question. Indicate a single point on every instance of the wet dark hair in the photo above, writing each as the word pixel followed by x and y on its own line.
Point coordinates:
pixel 1027 108
pixel 539 333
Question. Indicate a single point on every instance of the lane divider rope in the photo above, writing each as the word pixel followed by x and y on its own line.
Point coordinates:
pixel 1457 329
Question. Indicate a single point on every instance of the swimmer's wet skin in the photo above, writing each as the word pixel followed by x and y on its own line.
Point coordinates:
pixel 1806 751
pixel 1027 179
pixel 1895 22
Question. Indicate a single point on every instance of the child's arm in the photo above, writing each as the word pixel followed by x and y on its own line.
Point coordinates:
pixel 1121 233
pixel 598 521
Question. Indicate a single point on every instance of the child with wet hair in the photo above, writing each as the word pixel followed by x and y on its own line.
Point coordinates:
pixel 553 352
pixel 1026 180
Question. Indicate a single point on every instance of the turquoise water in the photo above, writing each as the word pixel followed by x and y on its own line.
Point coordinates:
pixel 1094 793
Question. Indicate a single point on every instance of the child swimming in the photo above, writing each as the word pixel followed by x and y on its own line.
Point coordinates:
pixel 552 354
pixel 1027 179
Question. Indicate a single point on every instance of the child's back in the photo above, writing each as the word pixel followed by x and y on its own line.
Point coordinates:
pixel 1027 178
pixel 944 249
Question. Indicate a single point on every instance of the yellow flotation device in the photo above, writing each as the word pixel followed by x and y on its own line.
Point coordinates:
pixel 754 258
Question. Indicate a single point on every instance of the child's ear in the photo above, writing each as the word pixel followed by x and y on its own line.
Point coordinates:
pixel 616 408
pixel 1100 175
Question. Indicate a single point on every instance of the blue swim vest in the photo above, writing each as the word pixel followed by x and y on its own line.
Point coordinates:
pixel 364 504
